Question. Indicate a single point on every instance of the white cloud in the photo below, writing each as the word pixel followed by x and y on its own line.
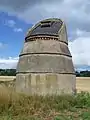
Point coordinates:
pixel 8 63
pixel 80 50
pixel 18 29
pixel 33 11
pixel 12 24
pixel 79 32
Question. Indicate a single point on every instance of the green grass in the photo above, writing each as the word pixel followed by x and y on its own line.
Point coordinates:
pixel 65 107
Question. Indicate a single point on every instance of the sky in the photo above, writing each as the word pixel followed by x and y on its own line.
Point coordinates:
pixel 17 16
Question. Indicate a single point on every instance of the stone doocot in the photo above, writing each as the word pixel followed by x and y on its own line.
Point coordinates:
pixel 45 64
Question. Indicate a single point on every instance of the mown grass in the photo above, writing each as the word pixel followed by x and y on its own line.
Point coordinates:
pixel 15 106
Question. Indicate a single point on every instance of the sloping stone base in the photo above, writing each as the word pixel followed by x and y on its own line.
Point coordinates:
pixel 43 84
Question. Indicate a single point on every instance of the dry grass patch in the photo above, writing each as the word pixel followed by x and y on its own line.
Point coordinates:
pixel 83 84
pixel 6 95
pixel 21 107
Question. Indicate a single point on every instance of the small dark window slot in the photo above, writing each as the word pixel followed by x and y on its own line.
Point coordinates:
pixel 46 24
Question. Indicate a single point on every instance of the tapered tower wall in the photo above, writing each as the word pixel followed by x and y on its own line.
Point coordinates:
pixel 45 64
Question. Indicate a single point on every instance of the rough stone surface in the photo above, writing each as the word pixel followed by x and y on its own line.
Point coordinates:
pixel 45 64
pixel 45 46
pixel 43 84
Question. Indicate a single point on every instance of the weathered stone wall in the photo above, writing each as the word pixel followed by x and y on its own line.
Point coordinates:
pixel 45 63
pixel 43 84
pixel 45 46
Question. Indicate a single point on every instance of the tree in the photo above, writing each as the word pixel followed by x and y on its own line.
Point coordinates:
pixel 7 72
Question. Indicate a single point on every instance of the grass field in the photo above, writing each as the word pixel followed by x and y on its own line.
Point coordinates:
pixel 15 106
pixel 83 83
pixel 7 78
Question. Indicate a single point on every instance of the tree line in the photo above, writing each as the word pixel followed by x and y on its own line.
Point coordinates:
pixel 12 72
pixel 7 72
pixel 83 73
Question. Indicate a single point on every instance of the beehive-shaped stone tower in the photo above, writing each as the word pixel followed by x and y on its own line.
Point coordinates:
pixel 45 63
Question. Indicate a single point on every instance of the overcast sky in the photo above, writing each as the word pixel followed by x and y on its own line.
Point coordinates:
pixel 16 16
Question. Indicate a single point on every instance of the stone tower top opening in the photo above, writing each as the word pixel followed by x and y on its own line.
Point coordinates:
pixel 49 27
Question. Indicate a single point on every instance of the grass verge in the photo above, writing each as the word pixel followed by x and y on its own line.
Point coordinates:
pixel 15 106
